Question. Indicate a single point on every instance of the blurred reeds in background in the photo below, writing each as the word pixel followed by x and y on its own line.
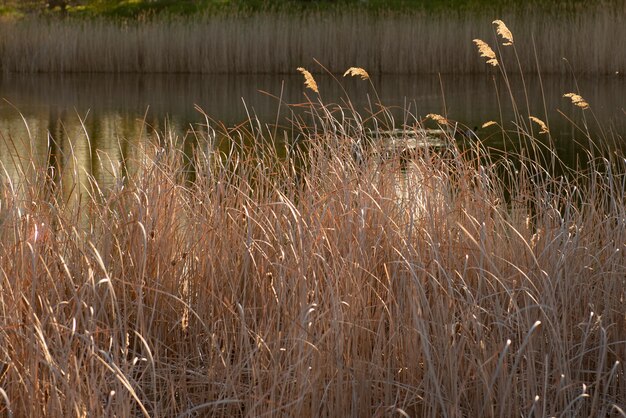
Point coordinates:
pixel 279 42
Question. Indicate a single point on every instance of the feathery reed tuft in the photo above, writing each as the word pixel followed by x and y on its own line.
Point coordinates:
pixel 542 125
pixel 503 31
pixel 357 72
pixel 577 100
pixel 437 118
pixel 486 51
pixel 309 81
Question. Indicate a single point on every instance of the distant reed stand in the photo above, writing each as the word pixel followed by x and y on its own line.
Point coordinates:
pixel 279 42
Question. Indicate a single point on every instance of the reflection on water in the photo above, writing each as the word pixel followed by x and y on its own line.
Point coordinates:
pixel 91 114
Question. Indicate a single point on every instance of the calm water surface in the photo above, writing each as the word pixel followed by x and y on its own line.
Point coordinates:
pixel 95 114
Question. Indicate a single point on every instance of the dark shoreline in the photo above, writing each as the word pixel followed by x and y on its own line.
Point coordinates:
pixel 277 43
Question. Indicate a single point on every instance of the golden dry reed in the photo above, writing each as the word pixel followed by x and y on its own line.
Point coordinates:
pixel 357 72
pixel 434 43
pixel 437 118
pixel 577 100
pixel 309 81
pixel 504 32
pixel 485 51
pixel 543 127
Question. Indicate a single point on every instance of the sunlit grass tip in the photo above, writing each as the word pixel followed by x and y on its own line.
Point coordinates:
pixel 488 124
pixel 309 81
pixel 503 30
pixel 357 72
pixel 542 125
pixel 486 51
pixel 577 100
pixel 437 118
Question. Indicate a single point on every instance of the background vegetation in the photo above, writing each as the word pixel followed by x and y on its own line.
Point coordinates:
pixel 137 8
pixel 278 42
pixel 212 36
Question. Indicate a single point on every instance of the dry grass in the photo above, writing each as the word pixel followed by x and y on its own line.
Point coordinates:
pixel 316 284
pixel 270 43
pixel 331 288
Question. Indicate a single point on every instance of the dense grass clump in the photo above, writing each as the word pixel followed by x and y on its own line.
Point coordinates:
pixel 313 284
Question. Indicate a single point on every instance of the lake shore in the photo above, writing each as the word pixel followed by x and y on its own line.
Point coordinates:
pixel 326 263
pixel 277 43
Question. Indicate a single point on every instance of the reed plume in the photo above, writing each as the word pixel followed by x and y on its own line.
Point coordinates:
pixel 357 72
pixel 486 51
pixel 488 124
pixel 502 30
pixel 577 100
pixel 542 125
pixel 437 118
pixel 309 81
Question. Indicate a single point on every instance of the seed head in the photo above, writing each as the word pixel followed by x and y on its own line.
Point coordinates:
pixel 309 81
pixel 542 125
pixel 357 72
pixel 486 51
pixel 577 100
pixel 437 118
pixel 503 31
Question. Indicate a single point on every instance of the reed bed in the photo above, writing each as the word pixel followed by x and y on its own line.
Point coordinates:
pixel 321 277
pixel 313 284
pixel 278 42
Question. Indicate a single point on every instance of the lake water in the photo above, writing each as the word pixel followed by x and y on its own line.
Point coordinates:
pixel 98 112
